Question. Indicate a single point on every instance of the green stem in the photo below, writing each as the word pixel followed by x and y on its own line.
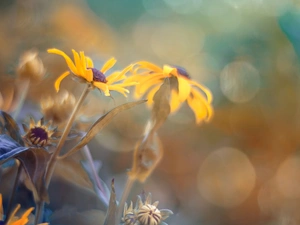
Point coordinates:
pixel 127 189
pixel 54 157
pixel 11 199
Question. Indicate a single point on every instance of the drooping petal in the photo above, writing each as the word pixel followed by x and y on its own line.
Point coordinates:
pixel 78 64
pixel 200 107
pixel 118 76
pixel 89 62
pixel 109 64
pixel 151 94
pixel 184 88
pixel 145 86
pixel 103 87
pixel 149 66
pixel 117 88
pixel 69 62
pixel 59 79
pixel 174 101
pixel 204 89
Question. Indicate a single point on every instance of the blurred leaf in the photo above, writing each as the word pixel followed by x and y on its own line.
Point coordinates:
pixel 100 123
pixel 68 215
pixel 111 214
pixel 9 148
pixel 73 172
pixel 34 163
pixel 161 107
pixel 9 126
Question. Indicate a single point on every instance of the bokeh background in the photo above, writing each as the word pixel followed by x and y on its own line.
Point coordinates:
pixel 242 168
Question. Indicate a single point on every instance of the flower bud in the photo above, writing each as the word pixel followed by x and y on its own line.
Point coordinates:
pixel 58 108
pixel 30 66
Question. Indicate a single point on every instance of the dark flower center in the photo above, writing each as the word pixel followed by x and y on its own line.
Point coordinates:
pixel 181 71
pixel 98 76
pixel 38 135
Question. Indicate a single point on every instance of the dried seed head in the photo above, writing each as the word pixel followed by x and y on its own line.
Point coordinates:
pixel 145 213
pixel 31 66
pixel 38 134
pixel 58 108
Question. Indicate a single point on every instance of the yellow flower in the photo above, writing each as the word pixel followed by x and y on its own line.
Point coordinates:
pixel 12 219
pixel 197 96
pixel 84 69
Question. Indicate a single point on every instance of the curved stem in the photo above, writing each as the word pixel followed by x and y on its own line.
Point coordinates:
pixel 9 207
pixel 129 183
pixel 54 157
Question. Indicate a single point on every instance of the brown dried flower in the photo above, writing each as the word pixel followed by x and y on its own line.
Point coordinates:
pixel 30 66
pixel 38 134
pixel 59 107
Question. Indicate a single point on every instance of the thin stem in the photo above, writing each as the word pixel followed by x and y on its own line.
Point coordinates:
pixel 54 157
pixel 129 183
pixel 11 199
pixel 25 87
pixel 88 156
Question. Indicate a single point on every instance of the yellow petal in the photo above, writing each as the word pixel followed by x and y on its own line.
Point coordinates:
pixel 145 86
pixel 12 215
pixel 69 62
pixel 1 208
pixel 204 89
pixel 174 101
pixel 184 88
pixel 168 70
pixel 151 94
pixel 103 87
pixel 78 64
pixel 83 61
pixel 89 62
pixel 149 66
pixel 119 89
pixel 59 79
pixel 109 64
pixel 118 76
pixel 89 75
pixel 202 109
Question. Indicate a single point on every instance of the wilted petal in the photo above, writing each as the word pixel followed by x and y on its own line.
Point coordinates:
pixel 59 79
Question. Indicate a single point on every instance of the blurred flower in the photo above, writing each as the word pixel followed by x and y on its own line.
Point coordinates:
pixel 84 69
pixel 31 66
pixel 38 134
pixel 182 88
pixel 59 107
pixel 145 213
pixel 12 219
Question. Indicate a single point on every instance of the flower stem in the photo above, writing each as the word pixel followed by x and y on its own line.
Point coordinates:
pixel 129 183
pixel 13 190
pixel 54 157
pixel 24 87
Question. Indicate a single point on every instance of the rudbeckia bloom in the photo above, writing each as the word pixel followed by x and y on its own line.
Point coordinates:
pixel 12 219
pixel 183 88
pixel 84 68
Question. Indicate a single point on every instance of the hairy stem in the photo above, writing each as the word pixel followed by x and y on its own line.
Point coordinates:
pixel 11 199
pixel 129 183
pixel 54 157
